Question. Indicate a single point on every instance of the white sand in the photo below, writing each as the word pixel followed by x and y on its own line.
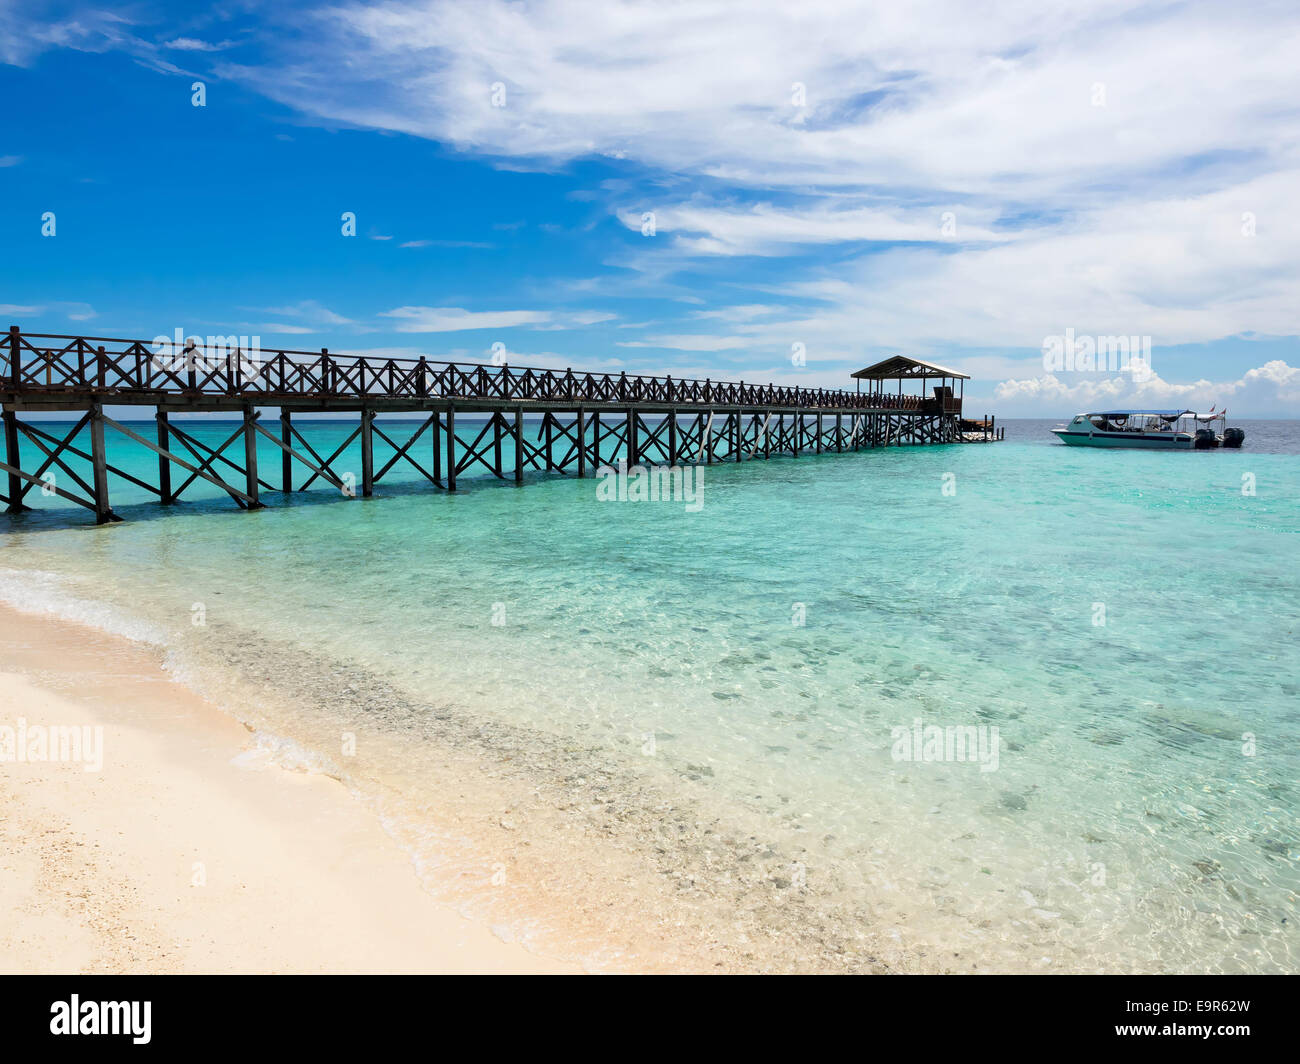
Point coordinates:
pixel 98 869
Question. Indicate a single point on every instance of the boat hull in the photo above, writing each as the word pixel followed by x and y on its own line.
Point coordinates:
pixel 1172 441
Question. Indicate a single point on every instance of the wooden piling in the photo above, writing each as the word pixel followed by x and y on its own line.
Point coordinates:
pixel 164 463
pixel 15 492
pixel 519 445
pixel 582 450
pixel 367 453
pixel 451 448
pixel 286 460
pixel 99 464
pixel 250 456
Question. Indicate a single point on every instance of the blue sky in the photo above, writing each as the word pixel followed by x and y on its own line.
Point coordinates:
pixel 854 180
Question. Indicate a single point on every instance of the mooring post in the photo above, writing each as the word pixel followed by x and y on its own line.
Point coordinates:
pixel 519 445
pixel 286 460
pixel 367 453
pixel 451 448
pixel 250 456
pixel 99 462
pixel 164 463
pixel 12 458
pixel 582 440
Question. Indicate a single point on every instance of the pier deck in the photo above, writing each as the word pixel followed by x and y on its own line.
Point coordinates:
pixel 587 420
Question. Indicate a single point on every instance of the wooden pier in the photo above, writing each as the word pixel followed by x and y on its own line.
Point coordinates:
pixel 587 420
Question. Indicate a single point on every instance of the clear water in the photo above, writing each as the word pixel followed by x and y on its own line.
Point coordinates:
pixel 615 700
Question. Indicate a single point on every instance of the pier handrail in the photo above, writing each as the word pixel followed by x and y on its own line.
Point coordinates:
pixel 105 367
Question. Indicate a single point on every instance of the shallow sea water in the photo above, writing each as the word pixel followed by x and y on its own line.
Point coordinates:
pixel 631 731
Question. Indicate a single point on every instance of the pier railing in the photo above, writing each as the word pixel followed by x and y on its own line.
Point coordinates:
pixel 104 368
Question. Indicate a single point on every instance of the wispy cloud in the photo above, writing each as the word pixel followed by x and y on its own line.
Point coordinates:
pixel 457 319
pixel 445 244
pixel 193 44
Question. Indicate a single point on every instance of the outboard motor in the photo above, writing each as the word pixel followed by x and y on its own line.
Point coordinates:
pixel 1205 439
pixel 1233 437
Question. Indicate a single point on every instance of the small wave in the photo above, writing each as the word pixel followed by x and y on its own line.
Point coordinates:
pixel 37 591
pixel 275 751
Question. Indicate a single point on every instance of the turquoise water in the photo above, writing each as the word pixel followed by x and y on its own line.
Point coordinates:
pixel 704 704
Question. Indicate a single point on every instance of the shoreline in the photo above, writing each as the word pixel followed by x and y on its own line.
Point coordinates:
pixel 187 852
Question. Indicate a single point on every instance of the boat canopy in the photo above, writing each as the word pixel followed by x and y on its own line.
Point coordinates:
pixel 1140 413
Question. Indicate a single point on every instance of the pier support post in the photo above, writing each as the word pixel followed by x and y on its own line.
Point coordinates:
pixel 738 433
pixel 164 463
pixel 706 438
pixel 286 461
pixel 250 457
pixel 15 492
pixel 672 437
pixel 451 448
pixel 99 463
pixel 582 435
pixel 595 438
pixel 839 433
pixel 631 438
pixel 549 434
pixel 367 453
pixel 497 468
pixel 437 448
pixel 519 445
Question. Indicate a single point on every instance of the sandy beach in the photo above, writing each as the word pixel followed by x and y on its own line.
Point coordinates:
pixel 184 854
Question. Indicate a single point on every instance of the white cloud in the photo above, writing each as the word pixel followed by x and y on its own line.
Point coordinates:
pixel 697 342
pixel 1264 388
pixel 193 44
pixel 927 95
pixel 309 310
pixel 763 229
pixel 457 319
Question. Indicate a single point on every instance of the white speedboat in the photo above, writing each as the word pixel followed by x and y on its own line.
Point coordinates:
pixel 1157 430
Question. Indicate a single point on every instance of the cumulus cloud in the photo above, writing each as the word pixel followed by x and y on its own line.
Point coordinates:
pixel 1261 388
